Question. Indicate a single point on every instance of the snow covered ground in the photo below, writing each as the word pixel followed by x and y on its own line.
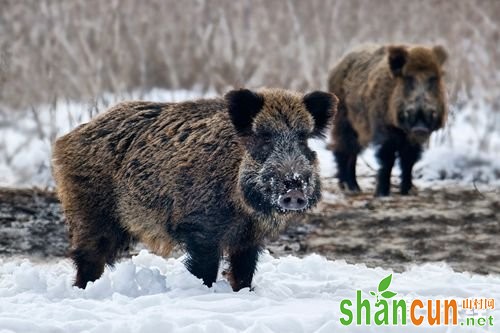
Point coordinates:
pixel 150 294
pixel 467 150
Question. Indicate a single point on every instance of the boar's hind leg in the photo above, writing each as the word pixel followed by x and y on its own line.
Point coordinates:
pixel 89 267
pixel 243 263
pixel 386 156
pixel 96 237
pixel 346 153
pixel 346 163
pixel 93 249
pixel 408 156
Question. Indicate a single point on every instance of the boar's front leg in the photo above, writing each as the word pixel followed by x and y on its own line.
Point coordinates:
pixel 386 156
pixel 408 156
pixel 243 263
pixel 203 261
pixel 201 238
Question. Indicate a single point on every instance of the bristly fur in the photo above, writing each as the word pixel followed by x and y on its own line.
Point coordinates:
pixel 393 96
pixel 202 174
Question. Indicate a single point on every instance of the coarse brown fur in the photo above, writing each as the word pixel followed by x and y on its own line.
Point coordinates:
pixel 391 96
pixel 203 174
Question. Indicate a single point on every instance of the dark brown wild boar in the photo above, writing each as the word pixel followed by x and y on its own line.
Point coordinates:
pixel 214 176
pixel 390 96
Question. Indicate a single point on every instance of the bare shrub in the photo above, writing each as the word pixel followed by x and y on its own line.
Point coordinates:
pixel 78 49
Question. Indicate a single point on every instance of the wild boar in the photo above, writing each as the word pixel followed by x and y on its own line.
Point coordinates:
pixel 215 176
pixel 393 97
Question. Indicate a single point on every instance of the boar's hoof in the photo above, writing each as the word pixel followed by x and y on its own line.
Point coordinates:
pixel 350 189
pixel 412 190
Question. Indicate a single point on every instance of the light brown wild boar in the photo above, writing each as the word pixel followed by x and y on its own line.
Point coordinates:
pixel 393 97
pixel 212 175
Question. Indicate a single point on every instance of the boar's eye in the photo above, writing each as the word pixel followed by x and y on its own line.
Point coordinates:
pixel 265 137
pixel 432 82
pixel 264 143
pixel 409 82
pixel 266 146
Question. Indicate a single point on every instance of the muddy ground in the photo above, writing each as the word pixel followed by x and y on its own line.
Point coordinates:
pixel 456 224
pixel 459 225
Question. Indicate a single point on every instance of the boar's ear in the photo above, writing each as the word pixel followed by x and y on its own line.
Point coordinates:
pixel 243 105
pixel 322 106
pixel 398 56
pixel 441 54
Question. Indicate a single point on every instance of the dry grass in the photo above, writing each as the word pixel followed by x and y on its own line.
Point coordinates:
pixel 53 49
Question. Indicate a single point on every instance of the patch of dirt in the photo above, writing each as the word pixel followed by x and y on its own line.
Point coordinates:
pixel 457 225
pixel 31 223
pixel 453 224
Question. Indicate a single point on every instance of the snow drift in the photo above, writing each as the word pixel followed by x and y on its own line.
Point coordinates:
pixel 151 294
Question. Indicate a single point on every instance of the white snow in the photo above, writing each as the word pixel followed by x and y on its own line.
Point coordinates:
pixel 443 163
pixel 150 294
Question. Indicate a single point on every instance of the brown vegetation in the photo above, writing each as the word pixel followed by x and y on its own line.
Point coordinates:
pixel 78 49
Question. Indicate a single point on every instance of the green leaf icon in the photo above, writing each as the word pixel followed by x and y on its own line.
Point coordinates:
pixel 372 293
pixel 385 283
pixel 388 294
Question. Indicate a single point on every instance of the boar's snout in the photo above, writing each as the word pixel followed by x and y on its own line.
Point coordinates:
pixel 292 200
pixel 420 131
